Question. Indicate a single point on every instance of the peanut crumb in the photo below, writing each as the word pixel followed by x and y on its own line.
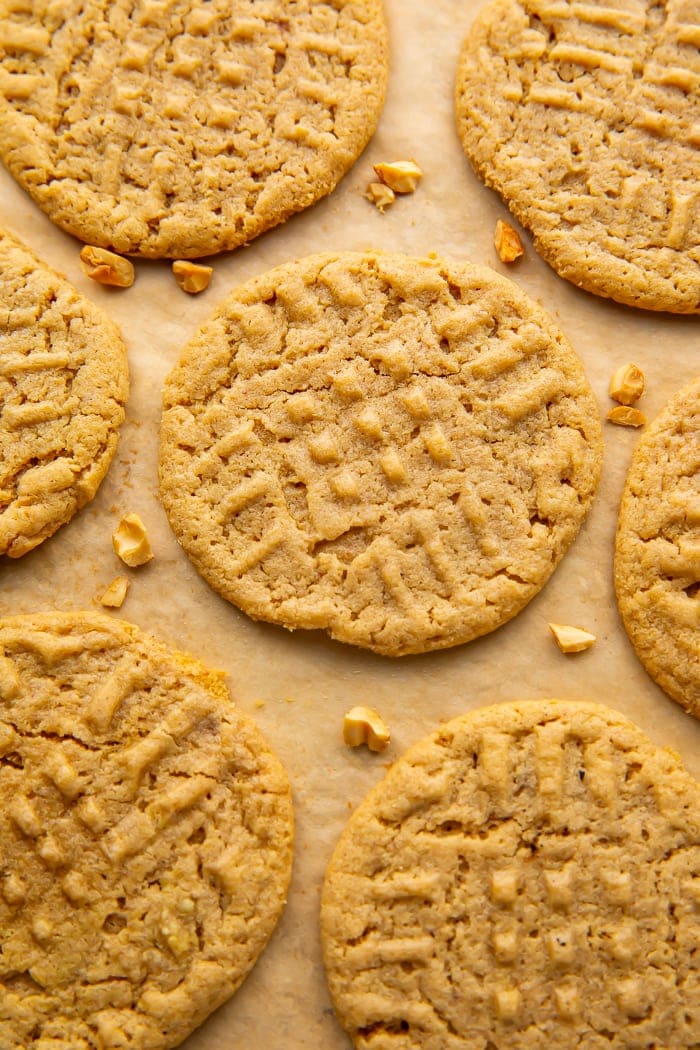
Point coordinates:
pixel 380 195
pixel 401 176
pixel 625 416
pixel 192 277
pixel 627 384
pixel 130 541
pixel 571 639
pixel 362 725
pixel 507 242
pixel 113 597
pixel 106 267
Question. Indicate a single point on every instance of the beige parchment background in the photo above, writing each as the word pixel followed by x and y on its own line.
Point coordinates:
pixel 306 681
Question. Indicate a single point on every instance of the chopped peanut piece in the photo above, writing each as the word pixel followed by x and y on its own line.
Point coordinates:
pixel 571 639
pixel 113 597
pixel 130 541
pixel 362 725
pixel 380 195
pixel 507 242
pixel 106 267
pixel 192 277
pixel 626 417
pixel 627 384
pixel 401 176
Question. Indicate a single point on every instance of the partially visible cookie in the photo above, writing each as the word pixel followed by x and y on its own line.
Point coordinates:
pixel 145 837
pixel 393 450
pixel 526 876
pixel 63 385
pixel 185 129
pixel 586 119
pixel 657 549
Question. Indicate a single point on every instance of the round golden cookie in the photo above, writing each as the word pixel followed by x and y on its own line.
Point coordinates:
pixel 180 130
pixel 586 120
pixel 63 384
pixel 525 877
pixel 397 451
pixel 146 837
pixel 657 549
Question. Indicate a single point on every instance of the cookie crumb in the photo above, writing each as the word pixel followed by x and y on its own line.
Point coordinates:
pixel 106 267
pixel 130 541
pixel 362 725
pixel 114 595
pixel 506 241
pixel 571 639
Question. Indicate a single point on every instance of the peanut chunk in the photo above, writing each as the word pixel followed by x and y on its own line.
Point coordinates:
pixel 627 384
pixel 106 267
pixel 130 541
pixel 362 725
pixel 571 639
pixel 401 176
pixel 626 417
pixel 507 243
pixel 113 597
pixel 192 277
pixel 380 195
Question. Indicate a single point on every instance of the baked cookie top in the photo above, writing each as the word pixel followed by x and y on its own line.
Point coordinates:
pixel 397 451
pixel 63 385
pixel 146 837
pixel 586 119
pixel 179 130
pixel 657 549
pixel 527 875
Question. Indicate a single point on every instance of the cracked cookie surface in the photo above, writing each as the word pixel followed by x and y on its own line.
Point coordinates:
pixel 63 385
pixel 586 120
pixel 145 837
pixel 396 451
pixel 528 872
pixel 179 129
pixel 657 549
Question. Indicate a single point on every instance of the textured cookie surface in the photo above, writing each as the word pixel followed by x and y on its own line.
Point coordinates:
pixel 146 837
pixel 527 876
pixel 586 119
pixel 657 550
pixel 63 384
pixel 393 450
pixel 182 129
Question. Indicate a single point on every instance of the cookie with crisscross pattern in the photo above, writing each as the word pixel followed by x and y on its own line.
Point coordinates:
pixel 397 451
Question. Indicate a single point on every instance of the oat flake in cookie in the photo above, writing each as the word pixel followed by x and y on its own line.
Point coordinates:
pixel 63 385
pixel 182 129
pixel 657 550
pixel 393 450
pixel 586 119
pixel 527 876
pixel 145 837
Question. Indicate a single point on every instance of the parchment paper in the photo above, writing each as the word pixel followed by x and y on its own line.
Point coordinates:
pixel 306 681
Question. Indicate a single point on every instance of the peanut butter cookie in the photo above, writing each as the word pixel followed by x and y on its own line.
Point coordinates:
pixel 586 119
pixel 657 549
pixel 145 837
pixel 526 876
pixel 179 130
pixel 393 450
pixel 63 385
